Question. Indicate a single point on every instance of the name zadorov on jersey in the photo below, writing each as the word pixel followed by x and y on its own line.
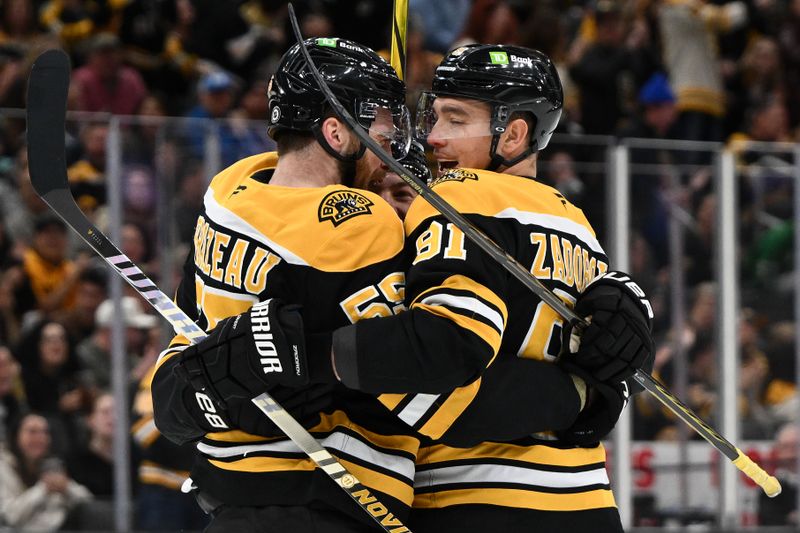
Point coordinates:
pixel 560 259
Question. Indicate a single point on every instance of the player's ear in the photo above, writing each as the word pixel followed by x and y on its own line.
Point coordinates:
pixel 335 133
pixel 515 138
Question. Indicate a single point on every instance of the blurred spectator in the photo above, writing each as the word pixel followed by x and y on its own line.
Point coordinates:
pixel 75 21
pixel 144 33
pixel 54 383
pixel 35 492
pixel 50 278
pixel 94 352
pixel 215 95
pixel 781 395
pixel 782 509
pixel 421 63
pixel 19 201
pixel 688 31
pixel 12 393
pixel 144 139
pixel 607 68
pixel 653 170
pixel 189 203
pixel 760 76
pixel 87 174
pixel 164 466
pixel 559 172
pixel 18 23
pixel 139 196
pixel 89 294
pixel 248 120
pixel 12 74
pixel 442 21
pixel 137 245
pixel 105 83
pixel 789 40
pixel 92 465
pixel 490 21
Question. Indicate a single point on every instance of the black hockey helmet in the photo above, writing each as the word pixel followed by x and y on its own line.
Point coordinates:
pixel 510 79
pixel 361 80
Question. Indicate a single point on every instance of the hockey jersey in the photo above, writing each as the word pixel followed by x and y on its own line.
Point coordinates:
pixel 465 311
pixel 339 253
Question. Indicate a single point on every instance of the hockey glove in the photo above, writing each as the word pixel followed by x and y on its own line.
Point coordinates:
pixel 304 405
pixel 617 342
pixel 247 354
pixel 598 418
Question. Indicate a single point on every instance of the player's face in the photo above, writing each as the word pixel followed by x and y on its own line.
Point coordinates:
pixel 370 168
pixel 460 134
pixel 395 191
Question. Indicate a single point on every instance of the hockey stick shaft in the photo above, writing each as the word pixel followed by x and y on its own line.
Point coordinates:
pixel 397 54
pixel 46 116
pixel 768 483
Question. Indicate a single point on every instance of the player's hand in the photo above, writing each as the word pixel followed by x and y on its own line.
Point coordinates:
pixel 617 342
pixel 247 354
pixel 598 418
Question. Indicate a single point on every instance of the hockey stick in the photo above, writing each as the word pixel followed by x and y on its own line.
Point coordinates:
pixel 768 483
pixel 46 115
pixel 399 29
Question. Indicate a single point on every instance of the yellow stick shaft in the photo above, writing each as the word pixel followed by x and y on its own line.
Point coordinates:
pixel 399 28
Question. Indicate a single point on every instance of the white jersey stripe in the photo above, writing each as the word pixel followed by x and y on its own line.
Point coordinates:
pixel 471 304
pixel 555 222
pixel 416 408
pixel 228 219
pixel 342 442
pixel 486 473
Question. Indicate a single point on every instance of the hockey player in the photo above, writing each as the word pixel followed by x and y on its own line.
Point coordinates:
pixel 292 228
pixel 491 110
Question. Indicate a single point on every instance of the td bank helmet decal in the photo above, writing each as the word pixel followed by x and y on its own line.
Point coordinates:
pixel 339 206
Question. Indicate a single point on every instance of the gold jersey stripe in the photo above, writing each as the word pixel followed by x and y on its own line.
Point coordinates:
pixel 523 499
pixel 488 195
pixel 391 400
pixel 327 424
pixel 537 454
pixel 450 410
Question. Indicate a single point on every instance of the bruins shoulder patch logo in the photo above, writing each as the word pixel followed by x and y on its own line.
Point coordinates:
pixel 339 206
pixel 457 174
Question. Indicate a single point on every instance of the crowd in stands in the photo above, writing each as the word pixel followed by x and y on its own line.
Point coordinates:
pixel 717 71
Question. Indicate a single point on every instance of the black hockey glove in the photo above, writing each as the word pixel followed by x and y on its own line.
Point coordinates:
pixel 304 405
pixel 598 418
pixel 617 342
pixel 247 354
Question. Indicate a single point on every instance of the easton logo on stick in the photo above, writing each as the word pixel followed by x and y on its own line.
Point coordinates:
pixel 339 206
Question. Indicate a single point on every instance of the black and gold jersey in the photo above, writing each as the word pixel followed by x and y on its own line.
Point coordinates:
pixel 465 311
pixel 336 251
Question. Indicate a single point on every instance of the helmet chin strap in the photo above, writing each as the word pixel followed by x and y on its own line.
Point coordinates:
pixel 497 160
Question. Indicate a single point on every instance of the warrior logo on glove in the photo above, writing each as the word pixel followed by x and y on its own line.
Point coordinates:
pixel 263 340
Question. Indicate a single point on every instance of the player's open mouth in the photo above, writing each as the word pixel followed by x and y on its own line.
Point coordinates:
pixel 445 165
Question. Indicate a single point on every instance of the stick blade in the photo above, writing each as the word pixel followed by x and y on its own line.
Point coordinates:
pixel 48 86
